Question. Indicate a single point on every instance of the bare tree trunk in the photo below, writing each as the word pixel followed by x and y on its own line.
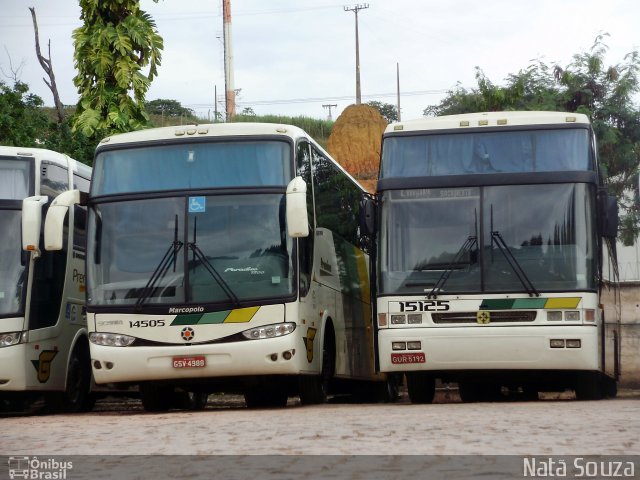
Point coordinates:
pixel 48 68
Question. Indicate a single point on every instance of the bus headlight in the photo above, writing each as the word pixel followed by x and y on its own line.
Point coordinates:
pixel 9 339
pixel 269 331
pixel 111 339
pixel 554 316
pixel 398 319
pixel 572 315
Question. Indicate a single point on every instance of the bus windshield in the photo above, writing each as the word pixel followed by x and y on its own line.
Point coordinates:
pixel 486 152
pixel 469 233
pixel 192 166
pixel 12 272
pixel 15 178
pixel 222 249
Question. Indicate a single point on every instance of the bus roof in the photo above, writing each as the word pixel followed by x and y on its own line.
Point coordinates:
pixel 48 155
pixel 211 130
pixel 487 119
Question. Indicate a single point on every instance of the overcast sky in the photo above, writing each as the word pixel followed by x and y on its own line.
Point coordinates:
pixel 293 56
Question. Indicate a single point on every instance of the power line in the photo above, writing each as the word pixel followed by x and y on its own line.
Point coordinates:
pixel 413 93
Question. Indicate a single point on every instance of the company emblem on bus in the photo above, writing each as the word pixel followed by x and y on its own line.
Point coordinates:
pixel 43 364
pixel 483 317
pixel 308 341
pixel 187 334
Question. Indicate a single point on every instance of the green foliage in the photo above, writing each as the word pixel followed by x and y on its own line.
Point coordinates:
pixel 22 120
pixel 168 108
pixel 62 138
pixel 586 85
pixel 116 41
pixel 387 110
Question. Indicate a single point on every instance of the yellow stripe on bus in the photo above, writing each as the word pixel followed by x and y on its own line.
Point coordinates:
pixel 241 315
pixel 570 302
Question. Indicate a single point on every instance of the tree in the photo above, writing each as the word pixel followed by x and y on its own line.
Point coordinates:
pixel 47 66
pixel 387 110
pixel 587 85
pixel 167 108
pixel 116 41
pixel 22 121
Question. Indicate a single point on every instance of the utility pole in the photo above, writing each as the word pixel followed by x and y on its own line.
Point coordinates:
pixel 230 95
pixel 329 106
pixel 398 87
pixel 355 10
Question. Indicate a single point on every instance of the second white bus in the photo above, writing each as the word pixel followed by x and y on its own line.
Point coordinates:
pixel 227 257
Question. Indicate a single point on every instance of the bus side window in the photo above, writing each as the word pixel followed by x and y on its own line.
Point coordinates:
pixel 305 245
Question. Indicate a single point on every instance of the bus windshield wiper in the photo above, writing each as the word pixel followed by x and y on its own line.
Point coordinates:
pixel 198 254
pixel 513 263
pixel 161 270
pixel 467 246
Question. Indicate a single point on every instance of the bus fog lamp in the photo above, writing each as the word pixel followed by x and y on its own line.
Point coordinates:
pixel 9 339
pixel 398 345
pixel 556 343
pixel 574 343
pixel 398 319
pixel 269 331
pixel 414 318
pixel 414 345
pixel 554 316
pixel 572 315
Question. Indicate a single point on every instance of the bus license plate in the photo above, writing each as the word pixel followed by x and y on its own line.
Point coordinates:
pixel 189 362
pixel 400 358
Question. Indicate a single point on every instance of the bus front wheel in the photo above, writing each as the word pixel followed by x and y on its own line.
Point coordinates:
pixel 156 398
pixel 588 386
pixel 76 396
pixel 421 387
pixel 314 389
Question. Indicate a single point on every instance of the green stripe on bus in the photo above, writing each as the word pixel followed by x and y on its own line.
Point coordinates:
pixel 190 319
pixel 529 303
pixel 497 304
pixel 215 317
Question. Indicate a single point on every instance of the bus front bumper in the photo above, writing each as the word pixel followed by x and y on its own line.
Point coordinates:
pixel 275 356
pixel 489 348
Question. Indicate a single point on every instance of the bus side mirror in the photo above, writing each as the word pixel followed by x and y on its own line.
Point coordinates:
pixel 32 223
pixel 611 218
pixel 367 217
pixel 297 220
pixel 54 223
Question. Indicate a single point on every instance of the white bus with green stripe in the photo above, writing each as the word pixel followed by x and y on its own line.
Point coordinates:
pixel 44 344
pixel 227 258
pixel 494 234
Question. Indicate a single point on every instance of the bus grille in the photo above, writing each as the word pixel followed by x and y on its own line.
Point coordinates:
pixel 496 317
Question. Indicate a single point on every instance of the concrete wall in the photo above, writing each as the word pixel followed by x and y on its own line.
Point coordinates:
pixel 630 334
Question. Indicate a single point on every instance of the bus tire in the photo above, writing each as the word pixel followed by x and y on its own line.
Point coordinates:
pixel 389 390
pixel 76 396
pixel 314 389
pixel 588 386
pixel 421 387
pixel 156 398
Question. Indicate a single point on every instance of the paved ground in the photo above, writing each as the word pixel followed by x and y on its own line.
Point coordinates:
pixel 552 426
